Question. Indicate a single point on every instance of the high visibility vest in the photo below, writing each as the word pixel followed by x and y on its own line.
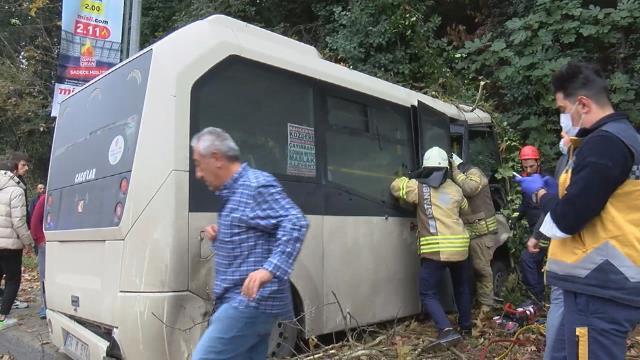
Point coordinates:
pixel 603 259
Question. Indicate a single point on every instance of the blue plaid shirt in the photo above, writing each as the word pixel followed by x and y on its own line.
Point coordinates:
pixel 259 227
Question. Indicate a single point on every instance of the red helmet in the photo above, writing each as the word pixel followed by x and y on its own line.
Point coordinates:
pixel 529 152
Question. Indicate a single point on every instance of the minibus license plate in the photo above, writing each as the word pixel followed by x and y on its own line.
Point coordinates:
pixel 76 347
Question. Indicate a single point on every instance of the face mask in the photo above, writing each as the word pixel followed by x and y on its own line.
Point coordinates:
pixel 567 125
pixel 563 148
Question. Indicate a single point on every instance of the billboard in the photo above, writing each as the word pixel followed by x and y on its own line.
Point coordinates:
pixel 90 44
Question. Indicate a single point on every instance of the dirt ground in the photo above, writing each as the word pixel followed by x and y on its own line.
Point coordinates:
pixel 409 339
pixel 403 339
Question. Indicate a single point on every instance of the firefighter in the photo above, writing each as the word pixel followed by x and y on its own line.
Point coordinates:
pixel 443 241
pixel 481 225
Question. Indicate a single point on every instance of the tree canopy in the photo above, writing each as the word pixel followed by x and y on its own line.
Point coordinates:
pixel 442 48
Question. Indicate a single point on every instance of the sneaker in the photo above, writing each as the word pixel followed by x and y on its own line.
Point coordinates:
pixel 19 305
pixel 447 338
pixel 7 323
pixel 465 333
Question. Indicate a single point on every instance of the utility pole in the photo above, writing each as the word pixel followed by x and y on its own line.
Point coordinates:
pixel 134 35
pixel 126 24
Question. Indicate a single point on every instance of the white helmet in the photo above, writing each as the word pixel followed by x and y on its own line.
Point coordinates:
pixel 435 157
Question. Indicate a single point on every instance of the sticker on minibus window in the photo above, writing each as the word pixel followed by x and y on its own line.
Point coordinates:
pixel 301 151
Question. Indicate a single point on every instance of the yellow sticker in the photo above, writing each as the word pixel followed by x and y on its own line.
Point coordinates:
pixel 92 7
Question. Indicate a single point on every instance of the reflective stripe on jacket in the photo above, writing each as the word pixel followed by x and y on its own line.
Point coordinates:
pixel 603 258
pixel 441 232
pixel 475 187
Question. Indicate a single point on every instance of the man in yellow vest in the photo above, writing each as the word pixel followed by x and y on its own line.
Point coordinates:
pixel 481 224
pixel 594 221
pixel 443 241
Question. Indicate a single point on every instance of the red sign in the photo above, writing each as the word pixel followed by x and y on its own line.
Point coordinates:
pixel 94 31
pixel 76 72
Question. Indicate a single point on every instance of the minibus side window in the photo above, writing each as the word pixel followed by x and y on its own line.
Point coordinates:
pixel 367 145
pixel 483 150
pixel 268 112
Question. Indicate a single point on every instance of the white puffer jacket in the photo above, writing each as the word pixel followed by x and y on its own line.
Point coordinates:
pixel 14 233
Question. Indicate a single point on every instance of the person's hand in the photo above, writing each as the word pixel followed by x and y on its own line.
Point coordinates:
pixel 27 249
pixel 550 184
pixel 533 245
pixel 455 159
pixel 530 184
pixel 254 282
pixel 211 232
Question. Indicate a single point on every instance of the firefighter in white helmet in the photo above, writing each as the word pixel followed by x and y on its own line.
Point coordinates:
pixel 443 241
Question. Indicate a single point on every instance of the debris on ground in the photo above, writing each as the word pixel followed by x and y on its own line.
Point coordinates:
pixel 410 339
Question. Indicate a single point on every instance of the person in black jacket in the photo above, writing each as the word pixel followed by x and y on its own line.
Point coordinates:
pixel 531 262
pixel 593 220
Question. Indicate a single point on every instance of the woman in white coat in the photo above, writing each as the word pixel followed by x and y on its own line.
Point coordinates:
pixel 14 237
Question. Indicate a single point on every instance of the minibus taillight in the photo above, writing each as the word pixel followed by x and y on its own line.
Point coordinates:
pixel 119 209
pixel 124 186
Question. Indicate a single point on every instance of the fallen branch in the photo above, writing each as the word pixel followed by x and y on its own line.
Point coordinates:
pixel 344 317
pixel 359 353
pixel 320 355
pixel 457 353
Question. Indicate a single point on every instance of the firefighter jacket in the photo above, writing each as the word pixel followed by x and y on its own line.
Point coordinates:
pixel 441 232
pixel 475 187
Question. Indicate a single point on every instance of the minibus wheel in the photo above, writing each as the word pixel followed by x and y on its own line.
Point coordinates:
pixel 284 338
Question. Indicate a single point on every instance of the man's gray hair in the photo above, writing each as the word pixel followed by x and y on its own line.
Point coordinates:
pixel 214 140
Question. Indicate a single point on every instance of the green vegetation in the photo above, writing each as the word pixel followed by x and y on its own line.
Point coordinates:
pixel 442 48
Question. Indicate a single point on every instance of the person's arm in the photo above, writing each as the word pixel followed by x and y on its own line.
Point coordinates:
pixel 465 209
pixel 470 182
pixel 405 189
pixel 601 165
pixel 274 212
pixel 37 220
pixel 19 217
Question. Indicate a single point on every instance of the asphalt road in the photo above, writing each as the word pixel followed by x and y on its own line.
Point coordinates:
pixel 29 340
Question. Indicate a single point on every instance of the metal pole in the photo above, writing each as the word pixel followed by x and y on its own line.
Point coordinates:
pixel 125 30
pixel 134 37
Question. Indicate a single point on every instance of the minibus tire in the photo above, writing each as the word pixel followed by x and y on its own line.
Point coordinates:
pixel 283 342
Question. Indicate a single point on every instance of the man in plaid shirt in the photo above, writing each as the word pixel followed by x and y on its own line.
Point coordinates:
pixel 256 241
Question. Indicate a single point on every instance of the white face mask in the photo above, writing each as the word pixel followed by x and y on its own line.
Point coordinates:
pixel 563 147
pixel 567 125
